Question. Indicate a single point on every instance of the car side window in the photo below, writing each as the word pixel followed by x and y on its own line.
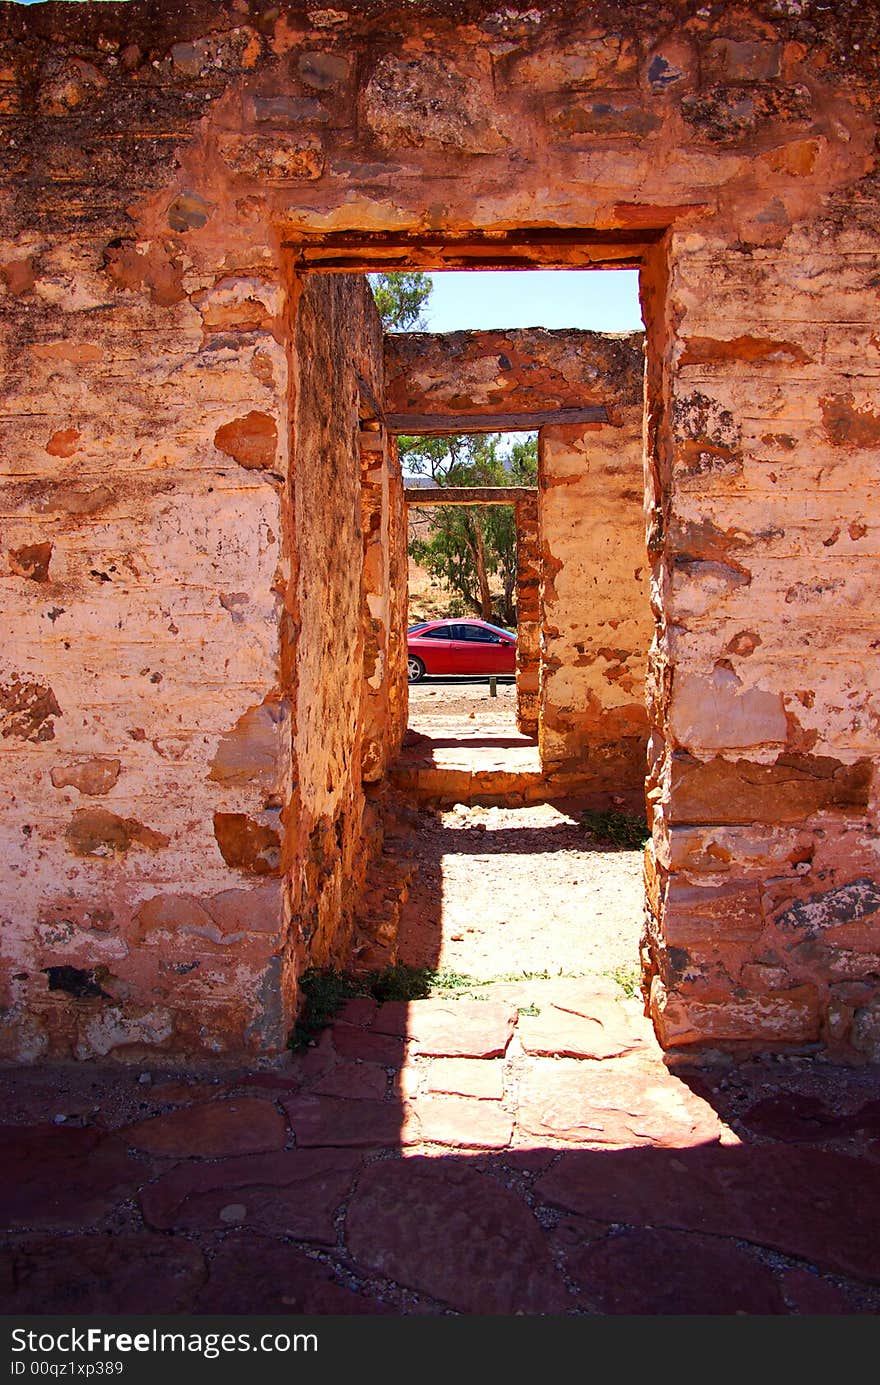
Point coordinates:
pixel 442 633
pixel 475 634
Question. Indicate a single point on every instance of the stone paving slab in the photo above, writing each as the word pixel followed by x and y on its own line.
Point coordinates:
pixel 246 1125
pixel 334 1121
pixel 461 1028
pixel 442 1229
pixel 478 1077
pixel 815 1205
pixel 366 1047
pixel 295 1192
pixel 371 1174
pixel 627 1103
pixel 103 1273
pixel 459 1121
pixel 260 1275
pixel 63 1178
pixel 645 1271
pixel 556 1032
pixel 357 1081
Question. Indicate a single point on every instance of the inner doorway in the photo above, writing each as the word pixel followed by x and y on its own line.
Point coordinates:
pixel 511 875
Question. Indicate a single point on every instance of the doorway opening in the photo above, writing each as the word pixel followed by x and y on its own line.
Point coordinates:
pixel 532 779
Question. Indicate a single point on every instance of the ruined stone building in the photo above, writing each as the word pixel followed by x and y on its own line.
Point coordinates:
pixel 202 541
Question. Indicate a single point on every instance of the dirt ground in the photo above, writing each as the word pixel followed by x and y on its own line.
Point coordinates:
pixel 502 891
pixel 438 702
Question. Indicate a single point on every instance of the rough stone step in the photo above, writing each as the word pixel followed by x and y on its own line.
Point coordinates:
pixel 497 787
pixel 369 957
pixel 377 921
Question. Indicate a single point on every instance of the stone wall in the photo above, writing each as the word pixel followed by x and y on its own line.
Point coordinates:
pixel 341 558
pixel 596 617
pixel 764 887
pixel 163 170
pixel 517 378
pixel 181 683
pixel 145 733
pixel 528 615
pixel 385 692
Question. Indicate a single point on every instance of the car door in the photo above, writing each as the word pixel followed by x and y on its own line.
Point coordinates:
pixel 505 653
pixel 460 651
pixel 476 649
pixel 498 652
pixel 434 648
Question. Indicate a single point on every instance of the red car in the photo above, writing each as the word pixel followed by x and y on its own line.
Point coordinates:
pixel 459 646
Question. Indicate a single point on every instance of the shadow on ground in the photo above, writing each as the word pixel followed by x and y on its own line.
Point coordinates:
pixel 434 1156
pixel 519 1147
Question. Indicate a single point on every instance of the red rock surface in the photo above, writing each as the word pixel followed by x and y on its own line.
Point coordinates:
pixel 812 1296
pixel 139 1273
pixel 630 1102
pixel 466 1077
pixel 242 1125
pixel 669 1272
pixel 263 1276
pixel 815 1205
pixel 294 1193
pixel 514 1184
pixel 359 1081
pixel 330 1120
pixel 444 1230
pixel 604 1033
pixel 461 1029
pixel 62 1177
pixel 352 1042
pixel 461 1121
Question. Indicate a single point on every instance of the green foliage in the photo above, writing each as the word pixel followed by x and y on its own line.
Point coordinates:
pixel 628 979
pixel 400 299
pixel 402 982
pixel 613 828
pixel 468 545
pixel 324 991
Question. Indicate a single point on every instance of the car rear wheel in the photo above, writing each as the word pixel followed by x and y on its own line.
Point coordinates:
pixel 415 668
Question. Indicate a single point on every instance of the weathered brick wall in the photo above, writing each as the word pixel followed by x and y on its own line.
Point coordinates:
pixel 522 376
pixel 385 692
pixel 528 615
pixel 595 607
pixel 190 764
pixel 144 746
pixel 374 608
pixel 396 679
pixel 160 163
pixel 764 872
pixel 336 354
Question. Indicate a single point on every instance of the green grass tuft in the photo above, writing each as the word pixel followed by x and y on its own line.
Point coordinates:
pixel 610 826
pixel 628 978
pixel 402 982
pixel 324 991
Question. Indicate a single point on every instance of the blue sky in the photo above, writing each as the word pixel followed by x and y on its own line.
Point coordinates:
pixel 593 300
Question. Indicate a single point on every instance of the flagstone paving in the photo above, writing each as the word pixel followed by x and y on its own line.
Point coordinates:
pixel 521 1149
